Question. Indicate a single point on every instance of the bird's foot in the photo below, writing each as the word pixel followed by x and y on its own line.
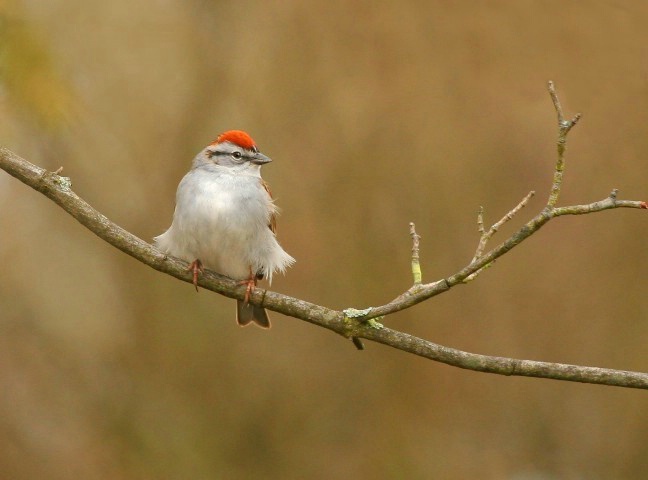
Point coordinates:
pixel 197 268
pixel 250 284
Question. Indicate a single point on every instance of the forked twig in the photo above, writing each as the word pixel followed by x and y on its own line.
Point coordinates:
pixel 486 235
pixel 564 126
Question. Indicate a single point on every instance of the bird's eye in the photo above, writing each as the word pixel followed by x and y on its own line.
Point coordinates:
pixel 237 155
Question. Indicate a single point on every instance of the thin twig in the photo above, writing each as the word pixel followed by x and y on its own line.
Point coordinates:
pixel 480 222
pixel 556 102
pixel 487 235
pixel 564 126
pixel 433 289
pixel 509 216
pixel 416 264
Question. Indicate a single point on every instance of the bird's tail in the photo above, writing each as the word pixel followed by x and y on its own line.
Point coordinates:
pixel 247 313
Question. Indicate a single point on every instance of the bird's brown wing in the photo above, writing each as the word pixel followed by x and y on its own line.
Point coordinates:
pixel 273 218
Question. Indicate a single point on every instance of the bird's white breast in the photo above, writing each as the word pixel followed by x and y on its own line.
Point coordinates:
pixel 222 219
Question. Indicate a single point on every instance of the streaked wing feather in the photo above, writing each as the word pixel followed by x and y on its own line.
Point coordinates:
pixel 273 217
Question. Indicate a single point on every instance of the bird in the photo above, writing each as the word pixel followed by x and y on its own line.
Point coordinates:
pixel 225 220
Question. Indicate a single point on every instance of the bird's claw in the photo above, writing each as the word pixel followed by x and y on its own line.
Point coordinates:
pixel 196 267
pixel 250 284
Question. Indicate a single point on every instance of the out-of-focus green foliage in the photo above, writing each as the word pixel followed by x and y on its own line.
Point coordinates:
pixel 28 75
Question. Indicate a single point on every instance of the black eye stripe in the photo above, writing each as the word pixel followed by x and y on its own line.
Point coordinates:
pixel 234 154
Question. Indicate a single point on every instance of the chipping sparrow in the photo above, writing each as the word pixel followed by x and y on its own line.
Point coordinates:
pixel 224 219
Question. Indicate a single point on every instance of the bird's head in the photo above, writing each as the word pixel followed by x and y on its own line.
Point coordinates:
pixel 233 149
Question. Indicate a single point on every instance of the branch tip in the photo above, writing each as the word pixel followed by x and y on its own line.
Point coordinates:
pixel 480 219
pixel 564 125
pixel 486 235
pixel 556 102
pixel 358 343
pixel 416 264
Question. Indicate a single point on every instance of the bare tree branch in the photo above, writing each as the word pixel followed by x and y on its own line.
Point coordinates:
pixel 564 126
pixel 487 234
pixel 351 323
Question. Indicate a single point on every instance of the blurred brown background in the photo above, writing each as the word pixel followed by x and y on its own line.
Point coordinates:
pixel 377 114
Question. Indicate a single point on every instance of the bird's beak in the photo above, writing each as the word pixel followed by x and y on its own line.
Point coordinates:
pixel 259 158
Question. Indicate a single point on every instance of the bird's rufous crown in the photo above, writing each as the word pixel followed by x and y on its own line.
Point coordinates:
pixel 237 137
